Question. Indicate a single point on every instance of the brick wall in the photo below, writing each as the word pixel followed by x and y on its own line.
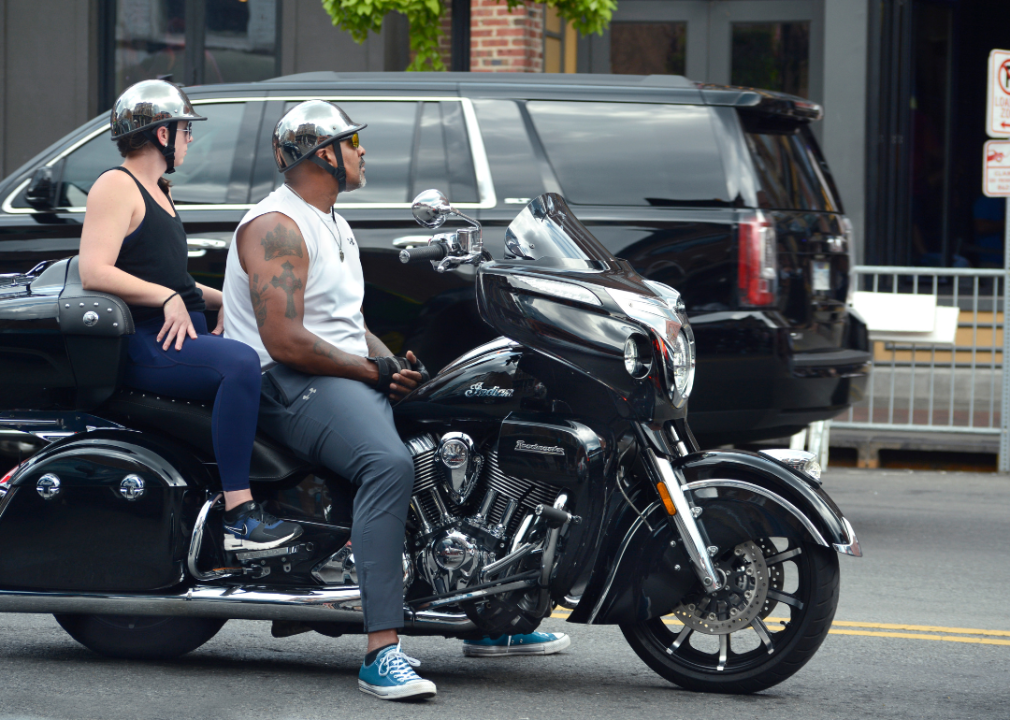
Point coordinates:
pixel 506 42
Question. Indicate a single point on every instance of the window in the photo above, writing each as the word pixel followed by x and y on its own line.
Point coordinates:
pixel 787 161
pixel 648 48
pixel 632 153
pixel 202 179
pixel 772 56
pixel 442 153
pixel 232 41
pixel 410 147
pixel 514 165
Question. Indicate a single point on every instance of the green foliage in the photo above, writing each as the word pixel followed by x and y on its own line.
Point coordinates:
pixel 425 17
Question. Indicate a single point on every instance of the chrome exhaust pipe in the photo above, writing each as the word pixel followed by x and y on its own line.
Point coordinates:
pixel 341 605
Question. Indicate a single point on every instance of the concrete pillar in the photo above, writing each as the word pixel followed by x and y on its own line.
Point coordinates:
pixel 844 126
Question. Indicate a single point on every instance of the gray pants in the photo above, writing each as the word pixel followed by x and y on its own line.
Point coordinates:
pixel 347 427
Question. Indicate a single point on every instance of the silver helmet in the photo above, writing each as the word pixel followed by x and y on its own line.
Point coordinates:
pixel 148 104
pixel 307 127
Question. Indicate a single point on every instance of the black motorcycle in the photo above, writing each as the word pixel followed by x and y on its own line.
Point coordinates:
pixel 553 466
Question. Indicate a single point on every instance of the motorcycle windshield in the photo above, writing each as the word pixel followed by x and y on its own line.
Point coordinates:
pixel 547 233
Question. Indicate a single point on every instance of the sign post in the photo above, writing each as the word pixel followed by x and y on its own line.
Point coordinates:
pixel 996 183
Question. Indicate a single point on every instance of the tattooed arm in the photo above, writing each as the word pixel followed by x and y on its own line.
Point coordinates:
pixel 273 254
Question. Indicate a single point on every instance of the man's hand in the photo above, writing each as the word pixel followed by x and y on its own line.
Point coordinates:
pixel 405 381
pixel 399 376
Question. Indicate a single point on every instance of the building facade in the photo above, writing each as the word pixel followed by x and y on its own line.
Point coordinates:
pixel 901 81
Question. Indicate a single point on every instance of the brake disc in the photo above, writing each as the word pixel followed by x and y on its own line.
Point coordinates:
pixel 741 598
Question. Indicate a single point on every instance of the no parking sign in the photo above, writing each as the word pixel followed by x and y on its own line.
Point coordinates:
pixel 998 104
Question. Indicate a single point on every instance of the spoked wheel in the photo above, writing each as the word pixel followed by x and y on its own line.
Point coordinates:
pixel 140 637
pixel 768 621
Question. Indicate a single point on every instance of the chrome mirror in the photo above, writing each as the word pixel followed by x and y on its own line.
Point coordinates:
pixel 431 208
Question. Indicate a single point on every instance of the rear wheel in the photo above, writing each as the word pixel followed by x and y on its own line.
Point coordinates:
pixel 777 608
pixel 138 637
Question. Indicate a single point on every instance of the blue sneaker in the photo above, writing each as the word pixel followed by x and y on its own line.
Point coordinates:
pixel 249 527
pixel 537 643
pixel 392 677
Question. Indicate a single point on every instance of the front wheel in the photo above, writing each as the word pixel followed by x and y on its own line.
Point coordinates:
pixel 134 637
pixel 729 642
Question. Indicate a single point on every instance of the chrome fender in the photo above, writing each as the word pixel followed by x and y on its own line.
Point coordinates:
pixel 802 497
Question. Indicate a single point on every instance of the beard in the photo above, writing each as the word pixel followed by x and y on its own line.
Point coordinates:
pixel 362 180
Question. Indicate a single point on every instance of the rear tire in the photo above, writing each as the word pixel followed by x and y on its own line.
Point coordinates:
pixel 773 654
pixel 135 637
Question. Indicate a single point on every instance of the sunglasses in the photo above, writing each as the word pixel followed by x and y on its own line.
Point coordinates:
pixel 353 140
pixel 188 130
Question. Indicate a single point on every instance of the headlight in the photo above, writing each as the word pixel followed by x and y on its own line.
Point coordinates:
pixel 637 356
pixel 800 460
pixel 681 362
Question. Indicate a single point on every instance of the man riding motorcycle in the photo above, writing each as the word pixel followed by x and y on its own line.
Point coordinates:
pixel 294 290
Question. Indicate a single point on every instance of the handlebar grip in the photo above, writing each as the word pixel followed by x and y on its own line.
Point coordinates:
pixel 428 252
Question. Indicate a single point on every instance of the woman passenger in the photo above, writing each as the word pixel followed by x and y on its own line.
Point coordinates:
pixel 133 245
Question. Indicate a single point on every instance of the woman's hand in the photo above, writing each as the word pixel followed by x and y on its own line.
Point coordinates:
pixel 178 324
pixel 219 328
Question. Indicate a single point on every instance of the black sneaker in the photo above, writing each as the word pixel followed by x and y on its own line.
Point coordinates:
pixel 249 527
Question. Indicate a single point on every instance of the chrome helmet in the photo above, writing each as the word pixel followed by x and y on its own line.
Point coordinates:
pixel 307 127
pixel 148 104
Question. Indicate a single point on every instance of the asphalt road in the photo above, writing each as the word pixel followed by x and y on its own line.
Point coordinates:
pixel 922 631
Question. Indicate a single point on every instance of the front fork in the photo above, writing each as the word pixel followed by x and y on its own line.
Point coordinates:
pixel 683 513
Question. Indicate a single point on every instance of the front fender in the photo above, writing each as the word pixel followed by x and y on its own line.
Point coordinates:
pixel 742 495
pixel 753 472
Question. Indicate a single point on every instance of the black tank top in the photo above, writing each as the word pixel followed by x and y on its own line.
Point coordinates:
pixel 157 252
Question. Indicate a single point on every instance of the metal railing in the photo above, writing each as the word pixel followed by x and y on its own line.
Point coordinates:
pixel 921 387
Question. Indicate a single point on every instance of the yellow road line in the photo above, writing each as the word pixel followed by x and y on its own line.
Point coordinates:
pixel 915 636
pixel 839 627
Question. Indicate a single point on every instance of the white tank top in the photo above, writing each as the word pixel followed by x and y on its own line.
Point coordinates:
pixel 334 290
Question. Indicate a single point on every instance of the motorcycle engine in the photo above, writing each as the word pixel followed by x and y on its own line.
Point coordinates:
pixel 468 513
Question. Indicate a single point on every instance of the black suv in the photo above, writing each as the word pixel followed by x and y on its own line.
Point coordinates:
pixel 719 192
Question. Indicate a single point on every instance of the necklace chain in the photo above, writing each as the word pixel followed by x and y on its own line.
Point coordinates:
pixel 336 235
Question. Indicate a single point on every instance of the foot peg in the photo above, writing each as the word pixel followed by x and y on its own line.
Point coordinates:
pixel 555 517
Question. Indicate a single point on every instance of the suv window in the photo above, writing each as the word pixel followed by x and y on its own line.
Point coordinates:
pixel 786 158
pixel 202 178
pixel 409 147
pixel 632 153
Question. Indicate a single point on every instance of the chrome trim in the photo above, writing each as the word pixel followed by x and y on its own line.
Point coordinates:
pixel 131 487
pixel 852 547
pixel 482 170
pixel 411 241
pixel 758 490
pixel 48 486
pixel 196 542
pixel 466 596
pixel 687 526
pixel 521 552
pixel 617 563
pixel 232 603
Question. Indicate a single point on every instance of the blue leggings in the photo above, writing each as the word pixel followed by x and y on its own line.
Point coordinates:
pixel 210 368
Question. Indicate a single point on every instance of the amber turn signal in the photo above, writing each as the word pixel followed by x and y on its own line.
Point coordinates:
pixel 664 495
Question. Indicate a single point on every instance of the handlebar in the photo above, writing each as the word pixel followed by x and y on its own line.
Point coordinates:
pixel 428 252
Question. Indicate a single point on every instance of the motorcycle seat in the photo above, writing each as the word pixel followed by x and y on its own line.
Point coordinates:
pixel 190 421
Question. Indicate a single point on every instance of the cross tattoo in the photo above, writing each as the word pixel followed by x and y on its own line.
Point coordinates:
pixel 287 282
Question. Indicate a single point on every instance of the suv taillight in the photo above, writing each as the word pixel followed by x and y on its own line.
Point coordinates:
pixel 757 270
pixel 5 480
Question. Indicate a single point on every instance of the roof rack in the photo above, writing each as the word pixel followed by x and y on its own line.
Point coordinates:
pixel 762 101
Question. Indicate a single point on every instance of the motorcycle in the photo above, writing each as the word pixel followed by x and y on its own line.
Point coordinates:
pixel 553 466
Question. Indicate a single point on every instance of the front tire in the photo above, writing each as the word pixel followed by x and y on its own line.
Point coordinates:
pixel 804 581
pixel 135 637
